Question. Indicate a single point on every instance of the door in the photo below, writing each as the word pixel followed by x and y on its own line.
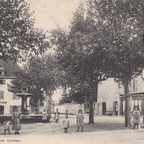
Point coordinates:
pixel 115 108
pixel 104 108
pixel 1 110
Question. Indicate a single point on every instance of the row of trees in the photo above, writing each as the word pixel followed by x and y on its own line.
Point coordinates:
pixel 105 40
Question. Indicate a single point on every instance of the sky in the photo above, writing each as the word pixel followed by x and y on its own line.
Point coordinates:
pixel 50 14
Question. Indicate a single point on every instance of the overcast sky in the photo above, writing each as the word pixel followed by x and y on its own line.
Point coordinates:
pixel 52 13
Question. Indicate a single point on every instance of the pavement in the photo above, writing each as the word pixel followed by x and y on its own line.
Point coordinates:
pixel 106 130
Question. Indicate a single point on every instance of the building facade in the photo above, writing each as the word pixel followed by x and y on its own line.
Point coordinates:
pixel 111 99
pixel 108 98
pixel 136 95
pixel 8 99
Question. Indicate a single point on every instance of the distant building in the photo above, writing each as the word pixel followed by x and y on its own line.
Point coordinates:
pixel 111 99
pixel 108 98
pixel 136 95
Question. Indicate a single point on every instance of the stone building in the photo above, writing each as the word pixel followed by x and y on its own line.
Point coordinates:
pixel 8 100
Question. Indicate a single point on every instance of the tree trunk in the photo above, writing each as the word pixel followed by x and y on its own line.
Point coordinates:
pixel 127 105
pixel 92 99
pixel 91 112
pixel 22 105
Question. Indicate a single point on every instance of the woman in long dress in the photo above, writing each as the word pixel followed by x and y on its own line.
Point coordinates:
pixel 136 118
pixel 80 121
pixel 16 121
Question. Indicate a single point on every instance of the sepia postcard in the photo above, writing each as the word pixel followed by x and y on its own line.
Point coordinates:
pixel 71 71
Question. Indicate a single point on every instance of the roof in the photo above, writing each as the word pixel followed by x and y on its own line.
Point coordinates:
pixel 7 77
pixel 134 94
pixel 24 94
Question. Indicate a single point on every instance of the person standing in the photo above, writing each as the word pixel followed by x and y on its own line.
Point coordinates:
pixel 136 118
pixel 16 121
pixel 56 116
pixel 66 123
pixel 7 127
pixel 80 121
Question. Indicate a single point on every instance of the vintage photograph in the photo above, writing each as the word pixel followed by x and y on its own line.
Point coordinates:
pixel 72 71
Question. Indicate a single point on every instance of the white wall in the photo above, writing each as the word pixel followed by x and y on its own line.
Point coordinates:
pixel 8 97
pixel 72 108
pixel 108 92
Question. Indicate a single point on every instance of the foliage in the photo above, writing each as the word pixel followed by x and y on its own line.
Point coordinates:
pixel 103 41
pixel 82 56
pixel 123 34
pixel 17 32
pixel 40 74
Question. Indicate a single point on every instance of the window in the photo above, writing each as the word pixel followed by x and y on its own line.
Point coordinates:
pixel 15 97
pixel 1 110
pixel 13 108
pixel 2 82
pixel 1 94
pixel 1 71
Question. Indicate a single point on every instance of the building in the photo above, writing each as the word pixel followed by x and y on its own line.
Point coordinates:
pixel 136 95
pixel 111 99
pixel 8 100
pixel 108 98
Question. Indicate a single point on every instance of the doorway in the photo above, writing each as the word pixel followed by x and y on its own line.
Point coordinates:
pixel 103 108
pixel 1 110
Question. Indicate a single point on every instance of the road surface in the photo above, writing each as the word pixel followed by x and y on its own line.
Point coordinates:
pixel 106 130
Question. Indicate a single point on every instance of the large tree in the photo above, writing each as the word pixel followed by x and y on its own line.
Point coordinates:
pixel 17 32
pixel 82 57
pixel 124 25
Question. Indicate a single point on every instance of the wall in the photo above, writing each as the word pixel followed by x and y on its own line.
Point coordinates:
pixel 72 108
pixel 8 100
pixel 108 92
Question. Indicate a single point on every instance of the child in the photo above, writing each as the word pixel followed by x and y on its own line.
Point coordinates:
pixel 16 121
pixel 136 118
pixel 66 123
pixel 80 121
pixel 44 116
pixel 56 118
pixel 7 127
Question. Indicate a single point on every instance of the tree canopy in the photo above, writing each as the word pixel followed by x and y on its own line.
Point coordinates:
pixel 104 40
pixel 82 56
pixel 123 27
pixel 17 31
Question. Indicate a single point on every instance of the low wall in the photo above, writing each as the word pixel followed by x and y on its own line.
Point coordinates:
pixel 72 108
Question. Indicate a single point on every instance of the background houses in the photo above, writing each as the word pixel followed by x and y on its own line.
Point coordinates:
pixel 8 99
pixel 111 100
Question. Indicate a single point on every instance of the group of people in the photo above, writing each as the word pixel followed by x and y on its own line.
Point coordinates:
pixel 13 124
pixel 136 120
pixel 66 121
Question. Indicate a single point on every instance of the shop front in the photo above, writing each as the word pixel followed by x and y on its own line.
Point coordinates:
pixel 135 99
